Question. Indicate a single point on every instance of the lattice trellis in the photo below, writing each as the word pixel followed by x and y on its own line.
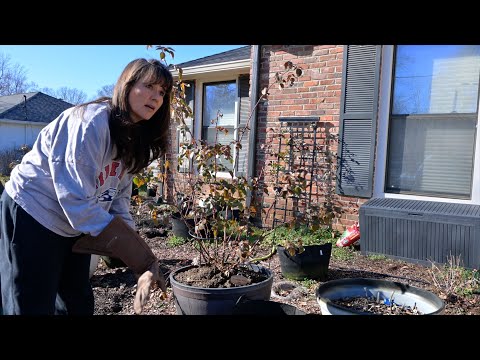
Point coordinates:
pixel 302 166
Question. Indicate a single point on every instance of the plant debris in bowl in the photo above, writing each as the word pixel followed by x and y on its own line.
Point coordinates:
pixel 377 306
pixel 363 296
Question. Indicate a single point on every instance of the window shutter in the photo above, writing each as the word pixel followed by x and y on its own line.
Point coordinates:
pixel 358 112
pixel 244 113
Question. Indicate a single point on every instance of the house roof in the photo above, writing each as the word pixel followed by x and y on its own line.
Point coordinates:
pixel 242 53
pixel 34 106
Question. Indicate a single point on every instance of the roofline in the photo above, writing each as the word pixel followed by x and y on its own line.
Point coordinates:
pixel 22 102
pixel 224 66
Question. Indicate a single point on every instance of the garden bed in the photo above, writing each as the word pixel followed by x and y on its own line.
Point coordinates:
pixel 114 289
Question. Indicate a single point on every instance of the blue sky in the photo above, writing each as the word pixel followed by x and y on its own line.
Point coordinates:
pixel 90 67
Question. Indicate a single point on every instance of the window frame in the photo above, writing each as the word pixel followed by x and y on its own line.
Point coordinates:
pixel 385 103
pixel 200 127
pixel 189 166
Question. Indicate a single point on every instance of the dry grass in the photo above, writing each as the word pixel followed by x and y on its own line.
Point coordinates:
pixel 451 279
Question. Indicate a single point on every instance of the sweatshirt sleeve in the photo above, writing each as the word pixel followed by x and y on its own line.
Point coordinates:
pixel 76 158
pixel 121 202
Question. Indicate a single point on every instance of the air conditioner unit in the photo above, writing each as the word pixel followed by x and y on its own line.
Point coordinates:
pixel 421 231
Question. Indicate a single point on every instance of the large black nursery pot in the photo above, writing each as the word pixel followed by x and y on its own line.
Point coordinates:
pixel 191 300
pixel 265 308
pixel 311 264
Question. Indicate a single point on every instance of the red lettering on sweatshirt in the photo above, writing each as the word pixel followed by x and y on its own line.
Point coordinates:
pixel 115 165
pixel 110 170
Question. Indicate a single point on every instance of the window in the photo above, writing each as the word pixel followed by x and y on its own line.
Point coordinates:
pixel 432 121
pixel 221 98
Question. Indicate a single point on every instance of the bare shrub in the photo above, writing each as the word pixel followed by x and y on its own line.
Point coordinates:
pixel 6 158
pixel 453 280
pixel 11 157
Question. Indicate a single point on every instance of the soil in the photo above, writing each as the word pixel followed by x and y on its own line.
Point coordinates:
pixel 211 277
pixel 114 289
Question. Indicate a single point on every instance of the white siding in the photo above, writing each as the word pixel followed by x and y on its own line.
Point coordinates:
pixel 14 134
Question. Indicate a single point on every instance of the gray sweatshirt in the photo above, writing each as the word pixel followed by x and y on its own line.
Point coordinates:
pixel 68 182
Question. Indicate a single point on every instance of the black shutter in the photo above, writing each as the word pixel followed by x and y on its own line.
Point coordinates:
pixel 244 113
pixel 358 116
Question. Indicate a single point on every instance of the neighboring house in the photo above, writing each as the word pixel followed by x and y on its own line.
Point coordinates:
pixel 22 116
pixel 408 154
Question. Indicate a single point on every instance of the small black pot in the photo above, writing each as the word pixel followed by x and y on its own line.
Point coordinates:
pixel 112 262
pixel 311 264
pixel 134 189
pixel 179 227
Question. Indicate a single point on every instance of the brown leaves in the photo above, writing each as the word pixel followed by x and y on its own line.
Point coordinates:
pixel 163 50
pixel 288 65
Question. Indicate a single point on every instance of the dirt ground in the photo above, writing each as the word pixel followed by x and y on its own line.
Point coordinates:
pixel 114 289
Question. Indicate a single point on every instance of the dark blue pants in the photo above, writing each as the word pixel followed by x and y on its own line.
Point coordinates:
pixel 39 274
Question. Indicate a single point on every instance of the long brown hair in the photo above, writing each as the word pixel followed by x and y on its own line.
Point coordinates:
pixel 138 144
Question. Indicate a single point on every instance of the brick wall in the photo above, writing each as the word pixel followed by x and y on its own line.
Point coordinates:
pixel 317 93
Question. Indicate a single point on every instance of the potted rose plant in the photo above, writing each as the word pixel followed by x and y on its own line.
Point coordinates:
pixel 304 239
pixel 223 272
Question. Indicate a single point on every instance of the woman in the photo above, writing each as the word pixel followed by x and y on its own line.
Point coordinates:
pixel 70 197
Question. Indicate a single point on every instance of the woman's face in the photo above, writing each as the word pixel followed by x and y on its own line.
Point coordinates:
pixel 145 100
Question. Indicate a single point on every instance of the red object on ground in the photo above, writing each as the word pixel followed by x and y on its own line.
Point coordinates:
pixel 349 236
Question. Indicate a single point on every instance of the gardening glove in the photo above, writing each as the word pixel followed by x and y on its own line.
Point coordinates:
pixel 119 240
pixel 150 279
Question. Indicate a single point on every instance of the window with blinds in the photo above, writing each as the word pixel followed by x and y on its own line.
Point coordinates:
pixel 433 120
pixel 219 108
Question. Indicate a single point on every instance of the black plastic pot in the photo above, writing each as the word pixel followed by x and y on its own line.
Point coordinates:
pixel 203 235
pixel 179 227
pixel 311 264
pixel 112 262
pixel 266 308
pixel 191 300
pixel 134 189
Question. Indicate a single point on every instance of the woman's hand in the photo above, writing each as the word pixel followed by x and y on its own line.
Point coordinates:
pixel 149 280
